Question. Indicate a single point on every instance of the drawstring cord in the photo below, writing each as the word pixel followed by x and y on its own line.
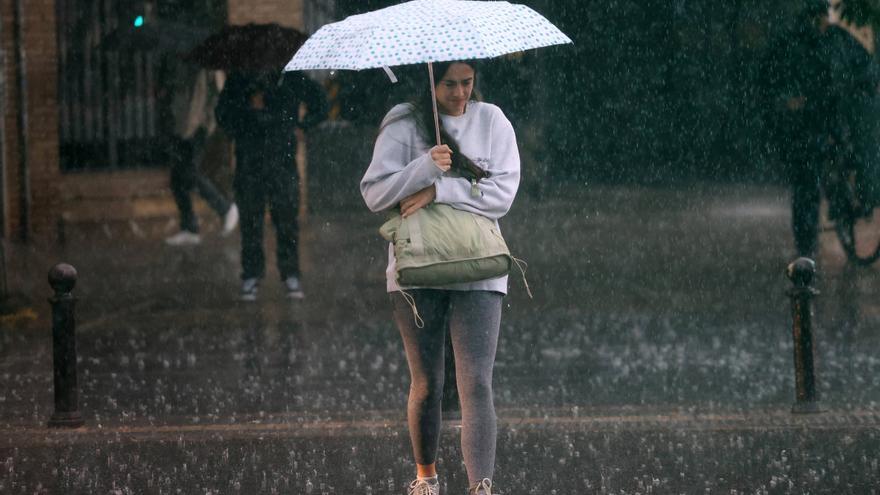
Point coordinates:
pixel 519 264
pixel 412 304
pixel 411 301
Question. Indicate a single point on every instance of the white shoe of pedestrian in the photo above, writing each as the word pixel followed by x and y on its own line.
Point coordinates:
pixel 294 287
pixel 183 238
pixel 230 220
pixel 249 288
pixel 424 486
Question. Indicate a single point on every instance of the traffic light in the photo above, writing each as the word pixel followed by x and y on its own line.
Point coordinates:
pixel 136 13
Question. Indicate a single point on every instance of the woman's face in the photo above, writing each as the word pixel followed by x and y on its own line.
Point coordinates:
pixel 454 89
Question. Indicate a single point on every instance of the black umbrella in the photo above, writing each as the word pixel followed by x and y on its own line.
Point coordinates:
pixel 249 47
pixel 165 36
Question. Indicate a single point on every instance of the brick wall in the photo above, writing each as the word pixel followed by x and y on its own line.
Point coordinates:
pixel 43 147
pixel 11 179
pixel 41 134
pixel 284 12
pixel 47 184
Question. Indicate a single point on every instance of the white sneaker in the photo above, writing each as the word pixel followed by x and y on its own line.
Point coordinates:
pixel 483 487
pixel 184 238
pixel 249 287
pixel 294 288
pixel 230 220
pixel 424 486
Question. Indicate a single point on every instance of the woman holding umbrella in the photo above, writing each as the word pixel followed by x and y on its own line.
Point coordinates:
pixel 407 172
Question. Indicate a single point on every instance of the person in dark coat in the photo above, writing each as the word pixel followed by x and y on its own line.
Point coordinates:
pixel 818 78
pixel 260 111
pixel 855 79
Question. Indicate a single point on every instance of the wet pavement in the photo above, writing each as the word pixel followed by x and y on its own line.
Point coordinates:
pixel 655 357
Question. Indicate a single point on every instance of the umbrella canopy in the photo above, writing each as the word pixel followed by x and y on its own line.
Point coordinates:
pixel 165 36
pixel 248 47
pixel 424 31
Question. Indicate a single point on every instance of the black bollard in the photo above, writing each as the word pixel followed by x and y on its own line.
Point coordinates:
pixel 62 278
pixel 801 272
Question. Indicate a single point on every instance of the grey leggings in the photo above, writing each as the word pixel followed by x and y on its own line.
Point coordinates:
pixel 473 319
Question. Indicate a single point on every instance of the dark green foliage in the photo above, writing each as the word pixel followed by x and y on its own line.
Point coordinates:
pixel 651 90
pixel 861 12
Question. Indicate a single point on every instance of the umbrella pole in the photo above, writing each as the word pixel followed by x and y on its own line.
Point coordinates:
pixel 434 102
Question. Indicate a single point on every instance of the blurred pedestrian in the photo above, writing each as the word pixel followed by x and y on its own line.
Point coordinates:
pixel 193 97
pixel 798 74
pixel 855 78
pixel 260 110
pixel 823 85
pixel 408 172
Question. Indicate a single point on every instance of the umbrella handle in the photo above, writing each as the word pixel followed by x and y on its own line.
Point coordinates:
pixel 434 103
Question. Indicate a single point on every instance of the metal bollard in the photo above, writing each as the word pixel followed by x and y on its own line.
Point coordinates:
pixel 62 278
pixel 801 272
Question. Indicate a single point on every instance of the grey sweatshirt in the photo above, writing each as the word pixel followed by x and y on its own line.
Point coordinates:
pixel 401 166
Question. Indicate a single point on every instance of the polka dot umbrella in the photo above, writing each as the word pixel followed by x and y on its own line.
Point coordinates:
pixel 425 31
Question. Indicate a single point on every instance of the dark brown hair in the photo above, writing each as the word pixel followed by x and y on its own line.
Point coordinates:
pixel 421 110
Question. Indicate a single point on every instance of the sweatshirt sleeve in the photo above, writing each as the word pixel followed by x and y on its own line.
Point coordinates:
pixel 232 112
pixel 316 103
pixel 496 192
pixel 392 175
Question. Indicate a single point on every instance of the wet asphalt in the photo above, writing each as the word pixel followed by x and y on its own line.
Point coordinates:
pixel 655 357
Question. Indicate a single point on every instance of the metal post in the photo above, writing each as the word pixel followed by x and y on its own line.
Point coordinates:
pixel 801 272
pixel 4 287
pixel 23 122
pixel 62 278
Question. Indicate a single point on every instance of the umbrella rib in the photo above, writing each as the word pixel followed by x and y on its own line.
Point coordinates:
pixel 352 40
pixel 366 41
